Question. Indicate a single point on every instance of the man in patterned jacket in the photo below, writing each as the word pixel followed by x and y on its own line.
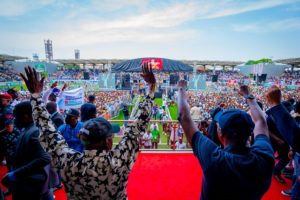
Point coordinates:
pixel 100 172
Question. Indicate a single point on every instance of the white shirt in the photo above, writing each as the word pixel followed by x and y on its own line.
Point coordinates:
pixel 180 146
pixel 152 126
pixel 195 113
pixel 173 135
pixel 147 139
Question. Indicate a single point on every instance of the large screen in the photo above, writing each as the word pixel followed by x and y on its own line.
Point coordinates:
pixel 197 82
pixel 107 81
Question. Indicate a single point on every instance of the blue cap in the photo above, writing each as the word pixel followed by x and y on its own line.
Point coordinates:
pixel 55 91
pixel 235 123
pixel 72 112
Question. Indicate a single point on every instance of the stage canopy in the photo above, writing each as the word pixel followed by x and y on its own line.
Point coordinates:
pixel 159 65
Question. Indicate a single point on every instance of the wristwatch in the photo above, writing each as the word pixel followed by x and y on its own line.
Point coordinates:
pixel 249 96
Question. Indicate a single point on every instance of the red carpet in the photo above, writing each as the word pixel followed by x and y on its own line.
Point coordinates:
pixel 164 176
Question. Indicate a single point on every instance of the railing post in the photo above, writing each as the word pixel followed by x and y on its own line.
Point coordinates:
pixel 173 143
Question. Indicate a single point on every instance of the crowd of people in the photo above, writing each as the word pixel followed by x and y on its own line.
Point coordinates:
pixel 238 130
pixel 76 74
pixel 7 75
pixel 110 103
pixel 204 101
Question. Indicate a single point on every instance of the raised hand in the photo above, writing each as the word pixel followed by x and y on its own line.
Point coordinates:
pixel 32 80
pixel 148 75
pixel 54 84
pixel 64 87
pixel 273 96
pixel 244 90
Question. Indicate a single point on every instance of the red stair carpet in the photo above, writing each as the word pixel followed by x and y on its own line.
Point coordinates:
pixel 169 176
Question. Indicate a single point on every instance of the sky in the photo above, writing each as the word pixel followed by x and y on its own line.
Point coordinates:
pixel 231 30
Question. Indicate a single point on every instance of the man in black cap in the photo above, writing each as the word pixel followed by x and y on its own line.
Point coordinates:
pixel 91 99
pixel 71 129
pixel 87 111
pixel 100 172
pixel 237 171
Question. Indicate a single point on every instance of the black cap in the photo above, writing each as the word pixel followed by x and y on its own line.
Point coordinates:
pixel 98 129
pixel 72 112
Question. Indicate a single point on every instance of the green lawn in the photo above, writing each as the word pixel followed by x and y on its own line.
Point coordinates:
pixel 158 101
pixel 121 116
pixel 163 138
pixel 173 111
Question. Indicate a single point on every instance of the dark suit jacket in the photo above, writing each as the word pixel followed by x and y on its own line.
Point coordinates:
pixel 31 166
pixel 57 119
pixel 287 126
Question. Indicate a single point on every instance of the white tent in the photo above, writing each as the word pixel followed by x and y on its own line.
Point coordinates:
pixel 271 69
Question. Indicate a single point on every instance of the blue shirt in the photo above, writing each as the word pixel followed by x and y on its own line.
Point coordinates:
pixel 234 173
pixel 71 136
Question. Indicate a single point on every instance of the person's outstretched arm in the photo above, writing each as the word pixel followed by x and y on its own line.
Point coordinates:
pixel 61 92
pixel 50 139
pixel 203 147
pixel 48 92
pixel 185 118
pixel 257 114
pixel 125 151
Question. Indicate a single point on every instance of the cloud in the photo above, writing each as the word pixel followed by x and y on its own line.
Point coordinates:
pixel 21 7
pixel 263 27
pixel 163 25
pixel 204 9
pixel 112 5
pixel 171 16
pixel 217 9
pixel 97 24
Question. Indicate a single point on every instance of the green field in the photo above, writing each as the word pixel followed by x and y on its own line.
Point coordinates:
pixel 173 111
pixel 163 137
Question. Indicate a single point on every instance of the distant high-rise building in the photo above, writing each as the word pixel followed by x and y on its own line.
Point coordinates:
pixel 77 54
pixel 48 50
pixel 35 57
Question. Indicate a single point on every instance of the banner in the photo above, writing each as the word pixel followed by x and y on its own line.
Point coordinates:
pixel 40 67
pixel 156 63
pixel 72 99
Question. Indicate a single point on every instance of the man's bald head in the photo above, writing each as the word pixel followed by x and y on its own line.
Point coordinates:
pixel 51 107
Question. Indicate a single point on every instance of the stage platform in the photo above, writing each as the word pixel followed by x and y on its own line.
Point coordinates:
pixel 170 175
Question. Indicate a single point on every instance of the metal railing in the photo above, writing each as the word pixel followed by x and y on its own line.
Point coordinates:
pixel 171 135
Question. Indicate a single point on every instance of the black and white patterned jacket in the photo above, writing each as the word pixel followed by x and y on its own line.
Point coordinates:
pixel 94 174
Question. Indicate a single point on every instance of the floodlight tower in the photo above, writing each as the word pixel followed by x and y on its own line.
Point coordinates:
pixel 77 54
pixel 48 50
